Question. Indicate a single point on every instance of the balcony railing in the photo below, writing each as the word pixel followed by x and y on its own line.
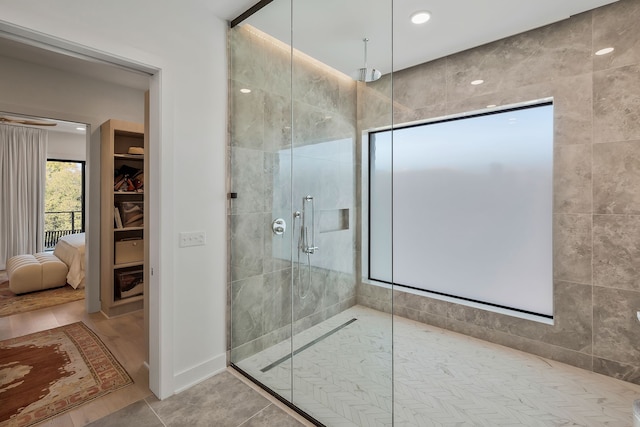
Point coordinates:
pixel 59 224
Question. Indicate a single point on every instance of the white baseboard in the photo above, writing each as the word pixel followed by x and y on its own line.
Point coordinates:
pixel 192 376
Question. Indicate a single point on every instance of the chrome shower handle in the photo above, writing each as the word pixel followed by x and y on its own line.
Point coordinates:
pixel 308 247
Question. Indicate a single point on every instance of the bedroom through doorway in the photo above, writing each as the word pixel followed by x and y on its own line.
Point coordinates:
pixel 64 214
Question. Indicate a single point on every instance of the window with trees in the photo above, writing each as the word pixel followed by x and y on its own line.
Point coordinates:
pixel 64 200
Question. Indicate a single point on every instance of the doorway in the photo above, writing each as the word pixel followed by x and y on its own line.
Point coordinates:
pixel 43 97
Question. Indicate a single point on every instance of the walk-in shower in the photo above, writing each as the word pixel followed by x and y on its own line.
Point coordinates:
pixel 311 148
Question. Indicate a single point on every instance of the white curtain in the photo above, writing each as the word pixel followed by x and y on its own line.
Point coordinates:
pixel 23 162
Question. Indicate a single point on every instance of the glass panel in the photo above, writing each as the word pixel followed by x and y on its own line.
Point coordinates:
pixel 303 323
pixel 342 349
pixel 260 219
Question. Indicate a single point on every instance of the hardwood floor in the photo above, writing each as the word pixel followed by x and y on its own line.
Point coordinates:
pixel 122 335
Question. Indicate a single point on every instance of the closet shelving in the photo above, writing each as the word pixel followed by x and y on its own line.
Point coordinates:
pixel 123 253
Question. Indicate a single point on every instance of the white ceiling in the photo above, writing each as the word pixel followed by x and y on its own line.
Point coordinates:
pixel 60 61
pixel 332 31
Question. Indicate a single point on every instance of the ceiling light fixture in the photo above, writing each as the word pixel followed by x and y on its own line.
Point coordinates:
pixel 420 17
pixel 477 82
pixel 604 51
pixel 491 105
pixel 245 90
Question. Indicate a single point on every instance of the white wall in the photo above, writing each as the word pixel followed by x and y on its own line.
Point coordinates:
pixel 47 92
pixel 67 146
pixel 188 132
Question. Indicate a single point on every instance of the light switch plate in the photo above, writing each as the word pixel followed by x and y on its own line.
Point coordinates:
pixel 195 238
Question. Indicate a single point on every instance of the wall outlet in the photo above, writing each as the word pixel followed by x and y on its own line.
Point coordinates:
pixel 196 238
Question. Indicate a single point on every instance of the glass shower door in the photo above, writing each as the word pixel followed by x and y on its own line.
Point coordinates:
pixel 342 352
pixel 305 321
pixel 260 216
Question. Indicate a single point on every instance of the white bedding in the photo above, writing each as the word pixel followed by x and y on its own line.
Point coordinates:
pixel 70 250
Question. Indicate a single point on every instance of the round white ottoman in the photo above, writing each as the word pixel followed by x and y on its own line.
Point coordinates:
pixel 28 273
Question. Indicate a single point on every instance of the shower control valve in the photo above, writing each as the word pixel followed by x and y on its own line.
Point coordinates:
pixel 279 226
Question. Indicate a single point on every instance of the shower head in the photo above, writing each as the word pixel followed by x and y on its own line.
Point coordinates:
pixel 366 74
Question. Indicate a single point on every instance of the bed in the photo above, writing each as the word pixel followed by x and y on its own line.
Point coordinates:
pixel 70 250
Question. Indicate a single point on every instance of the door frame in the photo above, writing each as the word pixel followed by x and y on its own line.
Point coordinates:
pixel 159 372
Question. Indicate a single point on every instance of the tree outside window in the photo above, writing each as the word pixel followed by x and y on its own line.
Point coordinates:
pixel 64 199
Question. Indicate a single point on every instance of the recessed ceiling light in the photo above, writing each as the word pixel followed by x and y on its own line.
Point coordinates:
pixel 420 17
pixel 491 105
pixel 604 51
pixel 245 90
pixel 477 82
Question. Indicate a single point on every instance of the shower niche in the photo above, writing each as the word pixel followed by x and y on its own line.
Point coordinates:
pixel 334 220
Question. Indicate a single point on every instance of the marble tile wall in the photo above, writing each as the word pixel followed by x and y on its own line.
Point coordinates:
pixel 293 135
pixel 596 180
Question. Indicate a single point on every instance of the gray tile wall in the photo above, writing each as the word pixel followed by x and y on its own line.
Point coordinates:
pixel 596 173
pixel 271 179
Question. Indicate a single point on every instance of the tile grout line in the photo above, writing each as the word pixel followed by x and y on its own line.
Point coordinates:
pixel 273 400
pixel 154 412
pixel 255 415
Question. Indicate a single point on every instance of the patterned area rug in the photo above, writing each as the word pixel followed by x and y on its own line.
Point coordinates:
pixel 11 303
pixel 47 373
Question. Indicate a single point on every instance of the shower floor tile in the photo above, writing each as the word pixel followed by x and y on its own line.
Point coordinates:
pixel 342 377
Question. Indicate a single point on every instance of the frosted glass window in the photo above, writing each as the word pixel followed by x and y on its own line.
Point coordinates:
pixel 380 229
pixel 471 208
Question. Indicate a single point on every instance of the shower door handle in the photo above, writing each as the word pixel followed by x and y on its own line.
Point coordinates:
pixel 308 247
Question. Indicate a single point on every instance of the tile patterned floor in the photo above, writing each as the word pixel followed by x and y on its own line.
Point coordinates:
pixel 225 400
pixel 441 379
